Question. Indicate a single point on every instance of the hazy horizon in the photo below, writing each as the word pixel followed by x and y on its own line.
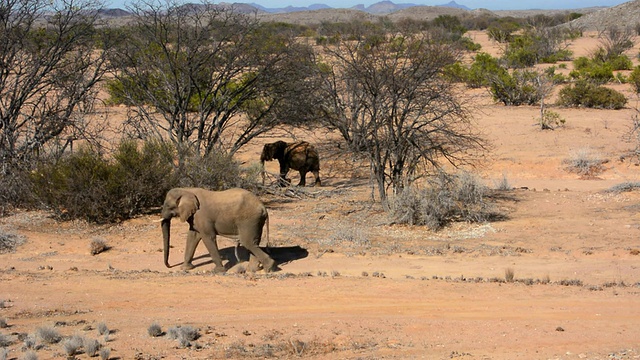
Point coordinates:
pixel 472 4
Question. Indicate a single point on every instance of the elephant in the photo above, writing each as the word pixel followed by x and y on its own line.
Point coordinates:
pixel 300 156
pixel 233 213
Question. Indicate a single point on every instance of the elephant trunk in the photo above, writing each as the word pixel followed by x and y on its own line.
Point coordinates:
pixel 166 232
pixel 263 172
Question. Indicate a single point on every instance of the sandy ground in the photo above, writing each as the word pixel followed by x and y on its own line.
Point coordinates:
pixel 353 287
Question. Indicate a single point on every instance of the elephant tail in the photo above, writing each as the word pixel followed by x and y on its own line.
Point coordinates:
pixel 266 232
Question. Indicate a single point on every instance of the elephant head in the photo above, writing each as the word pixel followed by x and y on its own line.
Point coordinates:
pixel 273 151
pixel 178 203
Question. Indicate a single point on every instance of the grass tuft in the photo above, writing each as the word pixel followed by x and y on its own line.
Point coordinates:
pixel 509 275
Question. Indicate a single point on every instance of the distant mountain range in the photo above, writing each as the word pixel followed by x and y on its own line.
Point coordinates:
pixel 382 7
pixel 379 8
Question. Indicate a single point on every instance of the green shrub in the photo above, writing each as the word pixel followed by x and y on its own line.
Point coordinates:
pixel 634 79
pixel 446 199
pixel 483 68
pixel 587 94
pixel 620 62
pixel 520 53
pixel 551 120
pixel 86 185
pixel 516 89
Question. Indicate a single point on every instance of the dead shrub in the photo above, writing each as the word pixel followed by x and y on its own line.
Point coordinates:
pixel 48 335
pixel 155 330
pixel 585 162
pixel 9 241
pixel 445 199
pixel 98 245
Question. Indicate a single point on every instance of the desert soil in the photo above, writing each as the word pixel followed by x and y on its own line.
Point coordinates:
pixel 352 286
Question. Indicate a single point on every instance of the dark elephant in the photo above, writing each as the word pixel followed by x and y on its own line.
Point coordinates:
pixel 300 156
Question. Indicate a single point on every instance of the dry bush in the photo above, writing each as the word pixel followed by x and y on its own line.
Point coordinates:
pixel 30 355
pixel 585 162
pixel 73 345
pixel 155 330
pixel 105 353
pixel 91 347
pixel 624 187
pixel 351 234
pixel 48 335
pixel 3 323
pixel 98 245
pixel 103 329
pixel 447 198
pixel 5 340
pixel 9 241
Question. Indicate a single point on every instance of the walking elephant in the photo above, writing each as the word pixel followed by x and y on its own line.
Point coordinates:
pixel 300 156
pixel 234 213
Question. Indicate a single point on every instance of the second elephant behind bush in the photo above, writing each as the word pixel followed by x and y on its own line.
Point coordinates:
pixel 300 156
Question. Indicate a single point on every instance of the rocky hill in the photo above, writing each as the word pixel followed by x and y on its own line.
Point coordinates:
pixel 627 14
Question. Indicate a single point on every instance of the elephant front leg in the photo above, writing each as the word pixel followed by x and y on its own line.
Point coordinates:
pixel 212 246
pixel 192 243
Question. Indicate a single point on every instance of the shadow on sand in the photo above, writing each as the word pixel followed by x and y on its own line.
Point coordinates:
pixel 281 255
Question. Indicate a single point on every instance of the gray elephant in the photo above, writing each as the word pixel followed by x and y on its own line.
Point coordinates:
pixel 234 213
pixel 300 156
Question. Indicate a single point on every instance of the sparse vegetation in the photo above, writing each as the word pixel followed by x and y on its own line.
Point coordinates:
pixel 3 323
pixel 585 162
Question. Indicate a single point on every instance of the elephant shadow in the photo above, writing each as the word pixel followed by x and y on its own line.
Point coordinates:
pixel 281 255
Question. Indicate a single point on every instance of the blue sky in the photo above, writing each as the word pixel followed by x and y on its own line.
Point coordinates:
pixel 473 4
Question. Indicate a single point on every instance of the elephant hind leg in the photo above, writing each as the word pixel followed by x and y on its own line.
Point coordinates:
pixel 303 178
pixel 268 264
pixel 316 174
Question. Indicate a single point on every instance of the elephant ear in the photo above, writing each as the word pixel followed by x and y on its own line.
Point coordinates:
pixel 187 206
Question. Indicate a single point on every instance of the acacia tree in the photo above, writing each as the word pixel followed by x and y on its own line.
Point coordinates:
pixel 50 65
pixel 388 99
pixel 193 73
